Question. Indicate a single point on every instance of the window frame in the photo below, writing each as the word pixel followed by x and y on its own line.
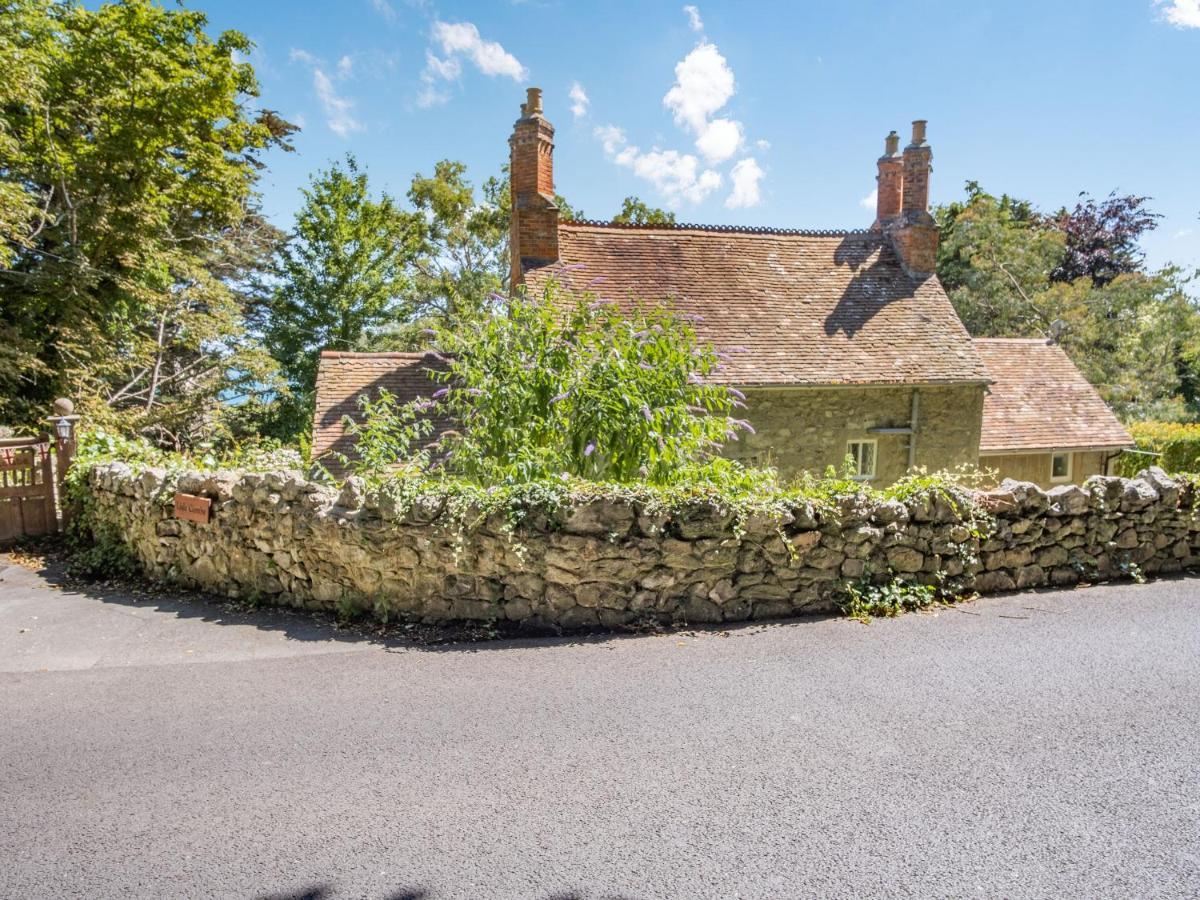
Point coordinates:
pixel 1061 479
pixel 874 444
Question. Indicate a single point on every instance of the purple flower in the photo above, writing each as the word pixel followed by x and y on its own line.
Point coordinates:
pixel 736 393
pixel 589 449
pixel 646 414
pixel 474 392
pixel 573 267
pixel 439 394
pixel 742 423
pixel 558 398
pixel 599 279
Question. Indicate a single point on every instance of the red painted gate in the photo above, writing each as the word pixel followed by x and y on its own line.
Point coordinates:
pixel 27 489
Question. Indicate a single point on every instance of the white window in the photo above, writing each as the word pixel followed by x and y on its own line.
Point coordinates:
pixel 862 455
pixel 1060 466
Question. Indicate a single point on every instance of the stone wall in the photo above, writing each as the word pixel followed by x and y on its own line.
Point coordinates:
pixel 281 539
pixel 807 429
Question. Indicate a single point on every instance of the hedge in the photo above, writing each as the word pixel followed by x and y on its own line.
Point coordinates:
pixel 1177 445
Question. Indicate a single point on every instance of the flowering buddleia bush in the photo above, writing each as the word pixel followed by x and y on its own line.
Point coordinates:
pixel 388 439
pixel 568 385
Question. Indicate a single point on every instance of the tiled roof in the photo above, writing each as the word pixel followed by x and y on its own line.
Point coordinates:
pixel 806 307
pixel 1040 401
pixel 344 377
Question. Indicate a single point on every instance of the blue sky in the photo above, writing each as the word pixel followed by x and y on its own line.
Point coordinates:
pixel 768 113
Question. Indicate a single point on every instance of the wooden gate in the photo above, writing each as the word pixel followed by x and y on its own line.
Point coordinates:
pixel 27 489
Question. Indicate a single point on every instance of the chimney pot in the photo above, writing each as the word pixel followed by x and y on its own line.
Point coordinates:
pixel 918 132
pixel 533 102
pixel 889 191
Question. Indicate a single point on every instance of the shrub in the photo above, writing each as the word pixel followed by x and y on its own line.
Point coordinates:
pixel 1176 444
pixel 566 385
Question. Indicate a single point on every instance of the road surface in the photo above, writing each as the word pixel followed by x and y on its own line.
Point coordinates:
pixel 1035 745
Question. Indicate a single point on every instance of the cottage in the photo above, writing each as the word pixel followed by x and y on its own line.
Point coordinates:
pixel 1042 421
pixel 846 345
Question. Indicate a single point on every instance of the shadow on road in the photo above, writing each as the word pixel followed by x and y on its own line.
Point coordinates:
pixel 316 626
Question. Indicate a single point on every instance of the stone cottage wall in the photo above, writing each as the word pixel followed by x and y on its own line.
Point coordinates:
pixel 807 429
pixel 281 539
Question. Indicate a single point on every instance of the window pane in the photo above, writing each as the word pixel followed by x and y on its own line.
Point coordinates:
pixel 863 455
pixel 1059 468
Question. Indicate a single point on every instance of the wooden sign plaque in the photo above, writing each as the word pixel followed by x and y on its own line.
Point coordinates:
pixel 191 508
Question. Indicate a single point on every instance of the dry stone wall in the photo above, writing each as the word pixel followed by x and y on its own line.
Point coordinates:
pixel 282 539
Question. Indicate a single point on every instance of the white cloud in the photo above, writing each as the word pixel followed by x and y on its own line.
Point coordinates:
pixel 720 140
pixel 677 176
pixel 871 200
pixel 456 42
pixel 703 84
pixel 762 144
pixel 445 69
pixel 345 67
pixel 1180 13
pixel 611 138
pixel 338 109
pixel 579 100
pixel 384 9
pixel 1182 233
pixel 463 38
pixel 746 175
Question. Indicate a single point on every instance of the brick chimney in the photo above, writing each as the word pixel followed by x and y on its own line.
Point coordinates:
pixel 890 182
pixel 913 232
pixel 533 232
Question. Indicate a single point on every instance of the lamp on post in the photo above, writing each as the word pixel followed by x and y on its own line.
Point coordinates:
pixel 64 428
pixel 64 420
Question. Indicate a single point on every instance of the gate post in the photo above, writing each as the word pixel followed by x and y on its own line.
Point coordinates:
pixel 64 421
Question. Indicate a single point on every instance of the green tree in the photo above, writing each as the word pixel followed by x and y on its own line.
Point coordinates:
pixel 342 278
pixel 635 212
pixel 1134 334
pixel 131 137
pixel 464 256
pixel 465 262
pixel 21 49
pixel 1136 338
pixel 994 259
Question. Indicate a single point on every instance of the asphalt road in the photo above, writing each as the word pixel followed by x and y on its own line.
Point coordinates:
pixel 1037 745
